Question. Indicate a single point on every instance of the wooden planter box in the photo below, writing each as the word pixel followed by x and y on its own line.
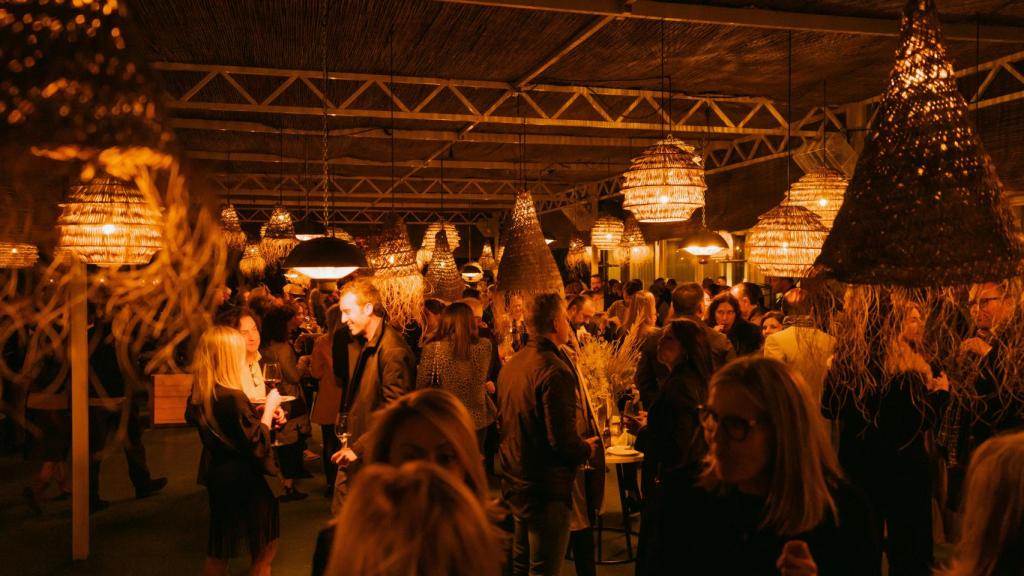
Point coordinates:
pixel 170 396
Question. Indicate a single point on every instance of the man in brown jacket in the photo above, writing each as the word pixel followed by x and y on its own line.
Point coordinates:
pixel 384 370
pixel 541 447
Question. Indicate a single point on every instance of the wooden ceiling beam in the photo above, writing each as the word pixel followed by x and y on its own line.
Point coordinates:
pixel 750 18
pixel 347 161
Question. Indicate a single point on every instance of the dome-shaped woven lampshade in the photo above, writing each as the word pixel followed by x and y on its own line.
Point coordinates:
pixel 821 191
pixel 785 241
pixel 633 244
pixel 110 222
pixel 231 227
pixel 487 261
pixel 924 207
pixel 665 183
pixel 18 255
pixel 278 237
pixel 527 265
pixel 443 278
pixel 607 233
pixel 579 252
pixel 252 264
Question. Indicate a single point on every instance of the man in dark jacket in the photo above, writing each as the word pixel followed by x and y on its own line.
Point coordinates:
pixel 688 304
pixel 384 370
pixel 541 448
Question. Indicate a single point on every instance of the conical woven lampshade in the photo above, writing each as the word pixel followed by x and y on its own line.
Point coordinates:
pixel 633 243
pixel 785 241
pixel 443 278
pixel 278 238
pixel 821 191
pixel 110 222
pixel 607 233
pixel 527 265
pixel 252 264
pixel 579 252
pixel 924 207
pixel 231 227
pixel 391 253
pixel 665 183
pixel 18 255
pixel 487 261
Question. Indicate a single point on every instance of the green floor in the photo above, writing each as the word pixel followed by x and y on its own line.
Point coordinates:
pixel 164 535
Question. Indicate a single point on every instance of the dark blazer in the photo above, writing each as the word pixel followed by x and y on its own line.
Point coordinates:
pixel 540 448
pixel 385 370
pixel 649 372
pixel 744 336
pixel 721 347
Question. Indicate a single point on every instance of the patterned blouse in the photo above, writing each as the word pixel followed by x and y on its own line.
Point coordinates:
pixel 463 378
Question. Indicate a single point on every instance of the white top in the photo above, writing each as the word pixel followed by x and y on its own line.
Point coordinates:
pixel 252 381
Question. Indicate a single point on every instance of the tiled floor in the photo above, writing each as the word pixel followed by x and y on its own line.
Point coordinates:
pixel 164 535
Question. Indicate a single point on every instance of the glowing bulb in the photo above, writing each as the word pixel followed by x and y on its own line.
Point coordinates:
pixel 108 229
pixel 663 199
pixel 823 202
pixel 14 250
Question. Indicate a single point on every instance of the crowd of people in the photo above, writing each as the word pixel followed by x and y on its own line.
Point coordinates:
pixel 469 443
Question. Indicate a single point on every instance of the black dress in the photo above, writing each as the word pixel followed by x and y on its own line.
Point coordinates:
pixel 236 457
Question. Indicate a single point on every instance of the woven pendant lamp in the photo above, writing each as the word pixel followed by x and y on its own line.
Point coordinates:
pixel 252 264
pixel 487 261
pixel 427 246
pixel 785 241
pixel 527 265
pixel 579 252
pixel 924 206
pixel 278 237
pixel 634 245
pixel 443 279
pixel 231 227
pixel 607 233
pixel 665 183
pixel 18 255
pixel 110 222
pixel 396 274
pixel 821 191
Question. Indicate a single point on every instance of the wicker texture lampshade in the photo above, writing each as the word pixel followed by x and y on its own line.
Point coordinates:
pixel 924 206
pixel 607 233
pixel 634 245
pixel 110 222
pixel 821 191
pixel 527 265
pixel 390 254
pixel 665 183
pixel 785 241
pixel 427 246
pixel 278 237
pixel 18 255
pixel 252 264
pixel 579 252
pixel 487 261
pixel 443 278
pixel 231 227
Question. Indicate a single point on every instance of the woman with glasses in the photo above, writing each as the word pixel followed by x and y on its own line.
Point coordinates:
pixel 774 499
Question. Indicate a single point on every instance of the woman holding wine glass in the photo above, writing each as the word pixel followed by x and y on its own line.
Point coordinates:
pixel 280 371
pixel 236 454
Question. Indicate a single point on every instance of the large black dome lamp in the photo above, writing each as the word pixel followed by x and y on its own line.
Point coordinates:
pixel 705 243
pixel 325 258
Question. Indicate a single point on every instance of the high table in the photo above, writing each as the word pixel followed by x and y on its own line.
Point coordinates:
pixel 626 467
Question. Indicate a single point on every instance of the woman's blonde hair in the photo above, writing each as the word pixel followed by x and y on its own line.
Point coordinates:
pixel 449 416
pixel 642 312
pixel 219 359
pixel 803 466
pixel 992 537
pixel 416 520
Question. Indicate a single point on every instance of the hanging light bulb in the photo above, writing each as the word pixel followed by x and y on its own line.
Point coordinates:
pixel 821 191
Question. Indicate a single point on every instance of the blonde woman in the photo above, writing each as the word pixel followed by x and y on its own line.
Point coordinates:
pixel 427 425
pixel 414 520
pixel 992 534
pixel 774 500
pixel 642 314
pixel 236 454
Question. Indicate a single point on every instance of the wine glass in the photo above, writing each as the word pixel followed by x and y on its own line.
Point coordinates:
pixel 272 374
pixel 341 430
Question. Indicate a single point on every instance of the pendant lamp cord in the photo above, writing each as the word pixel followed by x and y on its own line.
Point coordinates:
pixel 789 108
pixel 391 88
pixel 824 119
pixel 664 94
pixel 323 144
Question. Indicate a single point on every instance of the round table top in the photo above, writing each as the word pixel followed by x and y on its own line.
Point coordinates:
pixel 610 458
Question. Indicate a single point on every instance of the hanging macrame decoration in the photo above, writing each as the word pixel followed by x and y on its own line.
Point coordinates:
pixel 443 279
pixel 278 237
pixel 634 247
pixel 924 207
pixel 396 274
pixel 231 228
pixel 821 191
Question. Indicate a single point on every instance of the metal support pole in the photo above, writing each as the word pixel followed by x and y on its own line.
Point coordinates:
pixel 79 355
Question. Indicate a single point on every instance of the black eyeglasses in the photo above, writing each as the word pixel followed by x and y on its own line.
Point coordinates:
pixel 736 428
